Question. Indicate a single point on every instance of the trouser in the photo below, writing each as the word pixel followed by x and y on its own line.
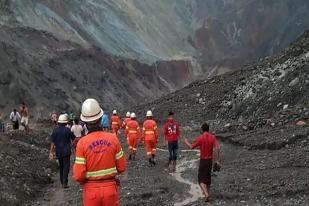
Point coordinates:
pixel 15 125
pixel 150 146
pixel 204 172
pixel 100 194
pixel 115 130
pixel 132 144
pixel 172 149
pixel 64 169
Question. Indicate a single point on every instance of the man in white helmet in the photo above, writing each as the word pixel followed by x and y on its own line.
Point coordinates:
pixel 61 139
pixel 132 133
pixel 150 137
pixel 99 159
pixel 115 122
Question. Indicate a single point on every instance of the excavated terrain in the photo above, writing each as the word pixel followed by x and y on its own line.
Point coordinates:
pixel 259 114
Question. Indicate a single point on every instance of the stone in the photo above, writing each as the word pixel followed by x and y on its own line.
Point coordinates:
pixel 294 82
pixel 301 123
pixel 285 107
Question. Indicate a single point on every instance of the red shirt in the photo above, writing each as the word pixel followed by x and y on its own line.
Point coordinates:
pixel 171 130
pixel 206 142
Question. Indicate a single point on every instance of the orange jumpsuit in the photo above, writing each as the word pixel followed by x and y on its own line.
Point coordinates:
pixel 99 158
pixel 132 133
pixel 150 136
pixel 125 122
pixel 115 123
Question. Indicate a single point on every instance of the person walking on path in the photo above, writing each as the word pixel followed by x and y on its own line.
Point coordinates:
pixel 172 133
pixel 15 118
pixel 61 139
pixel 132 133
pixel 24 111
pixel 150 137
pixel 77 130
pixel 105 122
pixel 209 155
pixel 115 122
pixel 99 159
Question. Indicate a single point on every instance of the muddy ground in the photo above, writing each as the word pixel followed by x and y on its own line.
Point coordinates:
pixel 255 172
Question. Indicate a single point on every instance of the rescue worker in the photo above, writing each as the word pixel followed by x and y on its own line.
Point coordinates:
pixel 132 133
pixel 126 120
pixel 115 122
pixel 61 146
pixel 24 111
pixel 171 134
pixel 209 155
pixel 99 159
pixel 150 137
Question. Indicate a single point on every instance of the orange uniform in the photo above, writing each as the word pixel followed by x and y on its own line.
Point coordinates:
pixel 115 123
pixel 99 158
pixel 125 122
pixel 132 133
pixel 150 136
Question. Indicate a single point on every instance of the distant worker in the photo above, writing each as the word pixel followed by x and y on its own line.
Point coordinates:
pixel 132 132
pixel 105 122
pixel 171 133
pixel 124 124
pixel 61 139
pixel 126 120
pixel 77 130
pixel 71 117
pixel 24 111
pixel 15 118
pixel 99 158
pixel 115 122
pixel 150 137
pixel 54 118
pixel 209 154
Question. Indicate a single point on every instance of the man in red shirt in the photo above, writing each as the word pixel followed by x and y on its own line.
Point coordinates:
pixel 171 134
pixel 209 149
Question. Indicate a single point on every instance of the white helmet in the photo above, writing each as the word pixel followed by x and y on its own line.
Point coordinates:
pixel 63 119
pixel 133 115
pixel 91 111
pixel 114 111
pixel 149 113
pixel 128 114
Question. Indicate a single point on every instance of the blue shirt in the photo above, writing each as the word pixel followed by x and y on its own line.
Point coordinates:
pixel 105 121
pixel 62 137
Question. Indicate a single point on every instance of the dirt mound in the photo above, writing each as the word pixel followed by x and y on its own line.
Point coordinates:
pixel 25 169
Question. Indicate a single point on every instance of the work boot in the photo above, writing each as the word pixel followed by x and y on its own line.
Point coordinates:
pixel 133 157
pixel 150 162
pixel 130 157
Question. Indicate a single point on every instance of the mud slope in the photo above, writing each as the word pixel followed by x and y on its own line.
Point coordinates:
pixel 271 92
pixel 49 73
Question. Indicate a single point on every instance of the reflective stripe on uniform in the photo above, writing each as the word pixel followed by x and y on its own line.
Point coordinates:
pixel 115 122
pixel 99 173
pixel 149 132
pixel 80 160
pixel 132 132
pixel 119 155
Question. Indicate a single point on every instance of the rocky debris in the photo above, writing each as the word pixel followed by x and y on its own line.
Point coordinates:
pixel 25 169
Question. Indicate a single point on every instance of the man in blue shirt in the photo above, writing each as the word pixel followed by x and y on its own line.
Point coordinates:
pixel 61 139
pixel 105 122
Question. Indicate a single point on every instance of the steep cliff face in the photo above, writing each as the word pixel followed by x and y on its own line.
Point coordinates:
pixel 62 43
pixel 218 33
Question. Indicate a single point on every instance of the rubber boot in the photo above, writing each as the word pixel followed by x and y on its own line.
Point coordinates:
pixel 133 157
pixel 130 157
pixel 150 162
pixel 153 160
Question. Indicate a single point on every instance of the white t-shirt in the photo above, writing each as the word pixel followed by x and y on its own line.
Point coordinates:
pixel 77 130
pixel 15 117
